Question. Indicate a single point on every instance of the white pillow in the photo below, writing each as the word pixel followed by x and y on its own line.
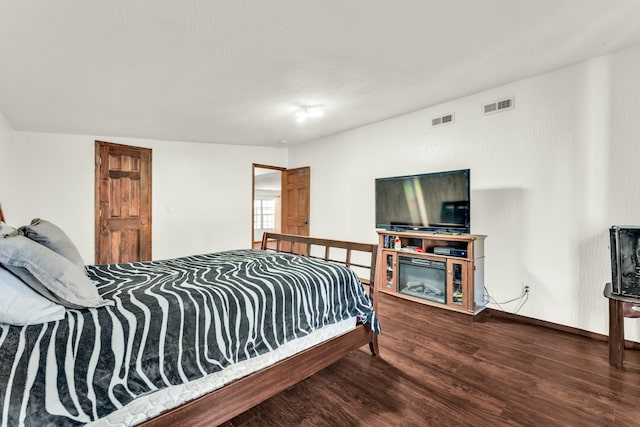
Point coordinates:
pixel 7 231
pixel 20 305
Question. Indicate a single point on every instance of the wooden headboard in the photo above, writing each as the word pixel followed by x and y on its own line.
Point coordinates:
pixel 1 215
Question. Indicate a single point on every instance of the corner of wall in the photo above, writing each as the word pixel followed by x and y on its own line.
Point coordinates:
pixel 7 168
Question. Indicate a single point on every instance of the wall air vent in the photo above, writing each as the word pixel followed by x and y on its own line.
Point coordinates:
pixel 447 119
pixel 498 106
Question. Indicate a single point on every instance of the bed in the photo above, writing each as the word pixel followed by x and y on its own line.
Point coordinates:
pixel 144 291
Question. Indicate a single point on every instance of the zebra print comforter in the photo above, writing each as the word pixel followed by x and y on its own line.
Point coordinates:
pixel 174 321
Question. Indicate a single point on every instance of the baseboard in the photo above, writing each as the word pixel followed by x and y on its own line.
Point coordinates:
pixel 492 312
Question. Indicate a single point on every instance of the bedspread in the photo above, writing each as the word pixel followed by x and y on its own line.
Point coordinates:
pixel 173 321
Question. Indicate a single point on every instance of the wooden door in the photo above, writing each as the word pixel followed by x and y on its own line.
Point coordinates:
pixel 295 205
pixel 295 201
pixel 123 203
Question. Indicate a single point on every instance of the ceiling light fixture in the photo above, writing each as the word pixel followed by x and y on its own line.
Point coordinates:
pixel 309 111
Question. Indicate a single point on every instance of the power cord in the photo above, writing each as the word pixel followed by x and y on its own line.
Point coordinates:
pixel 523 298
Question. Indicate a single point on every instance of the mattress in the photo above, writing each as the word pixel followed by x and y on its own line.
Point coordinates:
pixel 174 322
pixel 146 407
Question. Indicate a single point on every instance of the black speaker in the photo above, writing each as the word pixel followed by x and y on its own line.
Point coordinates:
pixel 625 260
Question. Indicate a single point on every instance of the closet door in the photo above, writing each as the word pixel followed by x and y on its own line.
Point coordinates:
pixel 123 203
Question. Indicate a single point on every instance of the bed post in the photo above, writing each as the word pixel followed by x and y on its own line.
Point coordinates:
pixel 373 344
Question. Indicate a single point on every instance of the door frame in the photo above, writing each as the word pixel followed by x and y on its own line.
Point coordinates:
pixel 253 192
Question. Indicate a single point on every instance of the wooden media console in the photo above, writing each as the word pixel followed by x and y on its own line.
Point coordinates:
pixel 441 270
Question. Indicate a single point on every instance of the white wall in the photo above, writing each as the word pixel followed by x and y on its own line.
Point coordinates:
pixel 547 180
pixel 201 200
pixel 6 165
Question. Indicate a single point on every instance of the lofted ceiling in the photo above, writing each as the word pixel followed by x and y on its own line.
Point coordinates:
pixel 235 71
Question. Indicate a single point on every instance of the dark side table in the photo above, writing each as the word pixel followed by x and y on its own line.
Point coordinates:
pixel 619 307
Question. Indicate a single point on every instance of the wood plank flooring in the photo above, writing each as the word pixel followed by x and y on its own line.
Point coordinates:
pixel 440 369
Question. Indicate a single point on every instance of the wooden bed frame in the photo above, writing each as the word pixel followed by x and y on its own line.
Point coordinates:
pixel 225 403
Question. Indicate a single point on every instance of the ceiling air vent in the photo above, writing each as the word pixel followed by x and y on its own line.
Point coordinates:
pixel 497 106
pixel 447 119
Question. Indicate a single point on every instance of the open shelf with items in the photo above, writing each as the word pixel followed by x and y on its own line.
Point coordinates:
pixel 442 270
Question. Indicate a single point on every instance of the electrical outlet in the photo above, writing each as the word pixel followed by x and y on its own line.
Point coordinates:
pixel 525 288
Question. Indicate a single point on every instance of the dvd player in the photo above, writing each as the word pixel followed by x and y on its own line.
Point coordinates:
pixel 444 250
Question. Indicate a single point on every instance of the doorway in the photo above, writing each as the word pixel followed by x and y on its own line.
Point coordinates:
pixel 267 202
pixel 281 199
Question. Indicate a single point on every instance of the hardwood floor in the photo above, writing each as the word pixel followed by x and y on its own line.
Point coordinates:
pixel 440 369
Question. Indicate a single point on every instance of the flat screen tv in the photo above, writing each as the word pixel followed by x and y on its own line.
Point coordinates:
pixel 436 202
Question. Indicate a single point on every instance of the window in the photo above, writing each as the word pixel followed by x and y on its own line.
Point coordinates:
pixel 265 214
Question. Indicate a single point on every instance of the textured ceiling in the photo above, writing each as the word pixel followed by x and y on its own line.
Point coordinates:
pixel 235 71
